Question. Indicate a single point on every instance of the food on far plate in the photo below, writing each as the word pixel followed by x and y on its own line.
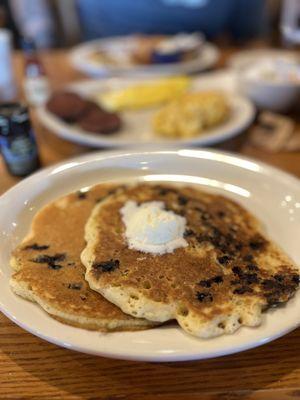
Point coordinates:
pixel 159 49
pixel 87 114
pixel 97 121
pixel 145 94
pixel 143 48
pixel 48 269
pixel 181 47
pixel 191 114
pixel 162 252
pixel 103 57
pixel 67 105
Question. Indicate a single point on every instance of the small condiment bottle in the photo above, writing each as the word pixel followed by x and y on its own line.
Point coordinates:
pixel 17 142
pixel 36 83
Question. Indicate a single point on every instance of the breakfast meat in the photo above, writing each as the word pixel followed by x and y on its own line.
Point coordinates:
pixel 67 106
pixel 72 108
pixel 99 121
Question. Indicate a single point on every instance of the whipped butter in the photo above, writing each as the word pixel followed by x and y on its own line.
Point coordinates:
pixel 152 229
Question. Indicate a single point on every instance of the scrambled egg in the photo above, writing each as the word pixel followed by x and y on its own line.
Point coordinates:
pixel 143 95
pixel 191 114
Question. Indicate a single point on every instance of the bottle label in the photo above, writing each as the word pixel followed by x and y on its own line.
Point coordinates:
pixel 20 153
pixel 36 90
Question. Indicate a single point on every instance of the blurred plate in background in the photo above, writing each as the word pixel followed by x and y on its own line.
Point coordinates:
pixel 243 59
pixel 137 128
pixel 118 48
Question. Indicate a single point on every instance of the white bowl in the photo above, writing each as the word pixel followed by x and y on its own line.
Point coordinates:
pixel 271 95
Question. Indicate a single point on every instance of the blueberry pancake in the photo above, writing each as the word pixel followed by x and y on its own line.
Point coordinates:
pixel 49 271
pixel 162 252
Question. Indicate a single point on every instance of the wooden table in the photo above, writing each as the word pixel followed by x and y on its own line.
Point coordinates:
pixel 31 368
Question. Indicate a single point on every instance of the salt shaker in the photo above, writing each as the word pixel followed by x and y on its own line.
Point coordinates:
pixel 7 85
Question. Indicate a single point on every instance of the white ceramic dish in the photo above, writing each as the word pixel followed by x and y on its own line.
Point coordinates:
pixel 273 196
pixel 137 128
pixel 277 97
pixel 273 95
pixel 119 47
pixel 243 59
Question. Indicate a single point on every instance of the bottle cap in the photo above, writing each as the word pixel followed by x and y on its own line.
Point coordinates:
pixel 28 45
pixel 12 116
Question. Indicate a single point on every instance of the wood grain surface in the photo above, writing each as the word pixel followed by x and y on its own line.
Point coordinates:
pixel 31 368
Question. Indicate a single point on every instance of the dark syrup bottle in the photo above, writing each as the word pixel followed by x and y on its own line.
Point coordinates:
pixel 17 142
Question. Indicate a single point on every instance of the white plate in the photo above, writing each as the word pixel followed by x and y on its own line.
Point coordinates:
pixel 273 196
pixel 137 124
pixel 120 46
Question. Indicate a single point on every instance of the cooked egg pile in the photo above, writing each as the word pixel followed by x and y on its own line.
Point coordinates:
pixel 143 95
pixel 191 114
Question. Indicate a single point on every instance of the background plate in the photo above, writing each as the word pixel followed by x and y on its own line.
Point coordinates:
pixel 137 124
pixel 121 45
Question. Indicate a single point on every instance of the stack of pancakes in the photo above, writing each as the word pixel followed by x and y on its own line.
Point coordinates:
pixel 76 264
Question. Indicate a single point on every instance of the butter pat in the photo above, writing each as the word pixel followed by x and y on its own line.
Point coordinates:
pixel 152 229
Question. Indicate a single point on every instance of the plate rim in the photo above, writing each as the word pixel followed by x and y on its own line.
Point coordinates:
pixel 88 68
pixel 103 154
pixel 265 169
